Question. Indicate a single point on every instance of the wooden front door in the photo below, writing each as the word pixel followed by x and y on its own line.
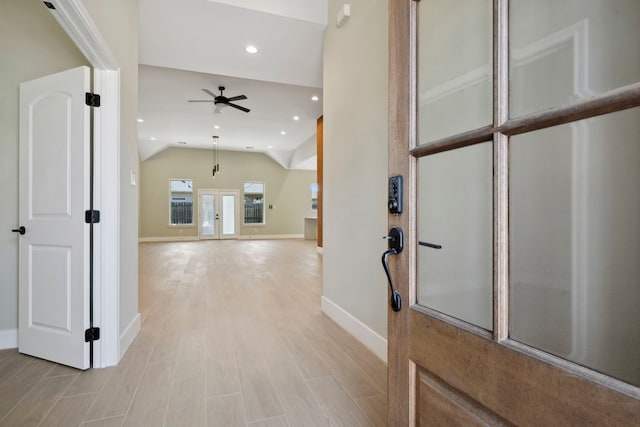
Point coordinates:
pixel 515 125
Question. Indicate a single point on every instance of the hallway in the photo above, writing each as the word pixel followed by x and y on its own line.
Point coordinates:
pixel 232 335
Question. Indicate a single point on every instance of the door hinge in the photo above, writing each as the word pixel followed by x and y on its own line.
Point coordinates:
pixel 91 334
pixel 92 217
pixel 92 99
pixel 49 5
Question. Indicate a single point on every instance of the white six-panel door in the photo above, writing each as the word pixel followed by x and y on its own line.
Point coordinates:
pixel 54 194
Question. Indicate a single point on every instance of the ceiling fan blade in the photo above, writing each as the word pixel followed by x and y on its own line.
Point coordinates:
pixel 246 110
pixel 201 100
pixel 237 98
pixel 207 91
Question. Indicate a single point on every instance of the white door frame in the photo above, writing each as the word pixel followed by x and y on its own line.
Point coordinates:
pixel 77 23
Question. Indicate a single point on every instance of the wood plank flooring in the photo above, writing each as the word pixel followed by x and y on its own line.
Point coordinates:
pixel 232 335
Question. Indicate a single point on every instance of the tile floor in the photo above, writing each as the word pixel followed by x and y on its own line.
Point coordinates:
pixel 232 335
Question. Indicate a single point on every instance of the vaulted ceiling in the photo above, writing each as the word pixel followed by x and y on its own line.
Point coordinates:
pixel 190 45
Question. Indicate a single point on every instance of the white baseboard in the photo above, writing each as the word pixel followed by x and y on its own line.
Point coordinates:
pixel 8 339
pixel 241 237
pixel 359 330
pixel 270 236
pixel 129 334
pixel 168 239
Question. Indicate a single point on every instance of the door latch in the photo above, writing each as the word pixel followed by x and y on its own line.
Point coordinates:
pixel 396 244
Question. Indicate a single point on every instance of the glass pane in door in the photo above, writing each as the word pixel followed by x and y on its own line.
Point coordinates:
pixel 563 51
pixel 575 242
pixel 455 205
pixel 455 56
pixel 228 215
pixel 207 216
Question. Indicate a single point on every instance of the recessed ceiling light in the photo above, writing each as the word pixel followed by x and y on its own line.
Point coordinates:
pixel 282 132
pixel 315 98
pixel 296 118
pixel 140 120
pixel 216 127
pixel 270 146
pixel 153 138
pixel 251 49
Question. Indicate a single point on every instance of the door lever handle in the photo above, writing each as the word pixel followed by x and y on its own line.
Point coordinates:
pixel 396 243
pixel 396 299
pixel 20 230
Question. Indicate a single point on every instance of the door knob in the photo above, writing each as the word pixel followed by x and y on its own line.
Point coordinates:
pixel 20 230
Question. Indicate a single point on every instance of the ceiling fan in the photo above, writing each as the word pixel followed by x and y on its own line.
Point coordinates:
pixel 221 100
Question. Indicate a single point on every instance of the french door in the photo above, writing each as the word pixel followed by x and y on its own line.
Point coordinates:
pixel 516 127
pixel 218 214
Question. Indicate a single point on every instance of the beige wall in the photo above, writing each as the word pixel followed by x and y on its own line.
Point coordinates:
pixel 32 45
pixel 355 161
pixel 287 190
pixel 117 21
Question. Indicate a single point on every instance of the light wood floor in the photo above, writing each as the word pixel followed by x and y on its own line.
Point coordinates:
pixel 232 335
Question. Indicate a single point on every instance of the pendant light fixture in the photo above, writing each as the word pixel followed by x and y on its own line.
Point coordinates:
pixel 215 157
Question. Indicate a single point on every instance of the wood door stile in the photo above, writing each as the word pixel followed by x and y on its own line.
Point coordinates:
pixel 320 175
pixel 401 119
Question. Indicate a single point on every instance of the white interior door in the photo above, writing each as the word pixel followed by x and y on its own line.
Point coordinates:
pixel 54 194
pixel 218 214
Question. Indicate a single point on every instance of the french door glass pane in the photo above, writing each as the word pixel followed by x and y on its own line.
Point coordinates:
pixel 454 67
pixel 575 242
pixel 455 211
pixel 563 51
pixel 207 209
pixel 228 215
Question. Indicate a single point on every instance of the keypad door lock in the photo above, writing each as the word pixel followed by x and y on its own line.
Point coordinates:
pixel 395 194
